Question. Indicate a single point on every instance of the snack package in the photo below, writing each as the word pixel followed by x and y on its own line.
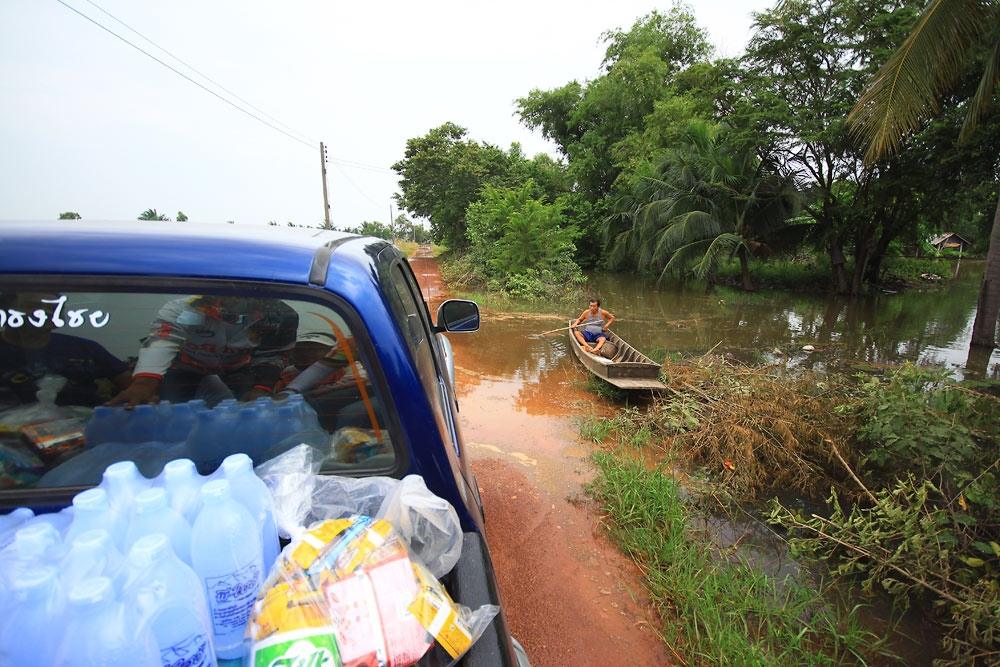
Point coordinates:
pixel 347 592
pixel 53 439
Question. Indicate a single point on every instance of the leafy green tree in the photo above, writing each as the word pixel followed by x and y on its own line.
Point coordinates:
pixel 906 91
pixel 588 121
pixel 712 199
pixel 441 173
pixel 181 217
pixel 513 233
pixel 372 228
pixel 151 214
pixel 70 215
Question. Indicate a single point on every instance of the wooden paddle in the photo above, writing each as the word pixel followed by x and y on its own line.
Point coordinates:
pixel 575 326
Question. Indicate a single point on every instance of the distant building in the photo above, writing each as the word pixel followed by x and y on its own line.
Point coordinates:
pixel 949 241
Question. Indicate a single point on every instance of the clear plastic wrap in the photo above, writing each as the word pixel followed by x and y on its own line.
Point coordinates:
pixel 349 592
pixel 45 410
pixel 427 523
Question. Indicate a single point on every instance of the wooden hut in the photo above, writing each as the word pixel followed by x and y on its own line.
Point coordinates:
pixel 950 241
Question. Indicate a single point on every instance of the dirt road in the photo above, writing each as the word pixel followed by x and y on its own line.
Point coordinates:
pixel 570 596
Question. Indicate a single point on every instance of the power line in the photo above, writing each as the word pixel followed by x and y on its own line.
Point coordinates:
pixel 355 185
pixel 182 74
pixel 304 141
pixel 202 74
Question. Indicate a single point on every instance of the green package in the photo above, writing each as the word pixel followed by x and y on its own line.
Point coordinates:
pixel 311 647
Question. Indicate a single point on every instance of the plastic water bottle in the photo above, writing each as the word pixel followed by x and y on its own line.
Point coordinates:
pixel 37 607
pixel 152 514
pixel 92 554
pixel 105 425
pixel 92 510
pixel 123 481
pixel 99 632
pixel 183 486
pixel 37 544
pixel 202 439
pixel 226 555
pixel 141 425
pixel 251 492
pixel 58 520
pixel 9 523
pixel 168 597
pixel 179 423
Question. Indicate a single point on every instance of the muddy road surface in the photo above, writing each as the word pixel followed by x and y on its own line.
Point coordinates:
pixel 570 596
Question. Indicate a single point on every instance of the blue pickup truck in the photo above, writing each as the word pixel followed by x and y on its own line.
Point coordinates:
pixel 151 315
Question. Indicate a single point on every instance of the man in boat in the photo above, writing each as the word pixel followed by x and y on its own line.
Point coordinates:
pixel 596 321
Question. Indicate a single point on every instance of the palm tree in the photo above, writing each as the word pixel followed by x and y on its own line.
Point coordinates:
pixel 905 92
pixel 712 199
pixel 151 214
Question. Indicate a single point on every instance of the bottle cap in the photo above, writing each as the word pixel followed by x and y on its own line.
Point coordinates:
pixel 216 490
pixel 149 549
pixel 122 470
pixel 91 499
pixel 93 540
pixel 179 469
pixel 235 464
pixel 22 514
pixel 32 578
pixel 149 500
pixel 36 540
pixel 91 591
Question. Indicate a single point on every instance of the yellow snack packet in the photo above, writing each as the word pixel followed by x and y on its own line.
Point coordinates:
pixel 438 614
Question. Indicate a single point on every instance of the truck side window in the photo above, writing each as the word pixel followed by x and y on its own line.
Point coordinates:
pixel 411 313
pixel 88 379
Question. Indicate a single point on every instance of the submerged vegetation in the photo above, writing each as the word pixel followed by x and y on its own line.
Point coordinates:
pixel 906 464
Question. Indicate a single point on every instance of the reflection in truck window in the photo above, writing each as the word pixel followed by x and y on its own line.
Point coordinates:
pixel 171 376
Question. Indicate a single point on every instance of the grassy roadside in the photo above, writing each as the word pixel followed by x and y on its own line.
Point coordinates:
pixel 717 610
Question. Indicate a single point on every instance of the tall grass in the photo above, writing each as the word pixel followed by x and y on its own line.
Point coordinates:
pixel 717 611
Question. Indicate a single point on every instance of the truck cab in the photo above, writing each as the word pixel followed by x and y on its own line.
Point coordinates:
pixel 173 322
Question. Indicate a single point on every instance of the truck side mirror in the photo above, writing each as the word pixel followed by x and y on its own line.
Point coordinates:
pixel 458 316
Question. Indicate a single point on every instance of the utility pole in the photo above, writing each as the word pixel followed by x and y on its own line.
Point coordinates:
pixel 392 224
pixel 326 196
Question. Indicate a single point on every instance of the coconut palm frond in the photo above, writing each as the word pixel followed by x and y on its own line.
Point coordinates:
pixel 687 228
pixel 684 257
pixel 723 244
pixel 981 101
pixel 906 88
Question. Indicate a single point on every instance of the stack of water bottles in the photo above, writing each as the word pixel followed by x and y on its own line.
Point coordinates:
pixel 151 435
pixel 138 571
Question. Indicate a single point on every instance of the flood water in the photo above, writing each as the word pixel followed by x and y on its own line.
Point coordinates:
pixel 929 325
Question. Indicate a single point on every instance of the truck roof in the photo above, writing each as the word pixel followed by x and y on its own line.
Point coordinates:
pixel 247 252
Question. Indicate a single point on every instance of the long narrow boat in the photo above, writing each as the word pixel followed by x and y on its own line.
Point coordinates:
pixel 628 369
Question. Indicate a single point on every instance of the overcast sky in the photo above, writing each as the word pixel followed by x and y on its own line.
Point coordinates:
pixel 89 124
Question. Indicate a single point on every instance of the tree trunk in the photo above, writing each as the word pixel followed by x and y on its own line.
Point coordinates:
pixel 837 263
pixel 984 328
pixel 745 270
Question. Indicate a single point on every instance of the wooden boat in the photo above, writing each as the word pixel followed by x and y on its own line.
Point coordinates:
pixel 628 369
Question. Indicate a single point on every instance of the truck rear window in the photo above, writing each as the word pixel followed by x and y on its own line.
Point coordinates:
pixel 88 379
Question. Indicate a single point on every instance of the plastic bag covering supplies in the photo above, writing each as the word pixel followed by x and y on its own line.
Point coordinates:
pixel 347 592
pixel 429 524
